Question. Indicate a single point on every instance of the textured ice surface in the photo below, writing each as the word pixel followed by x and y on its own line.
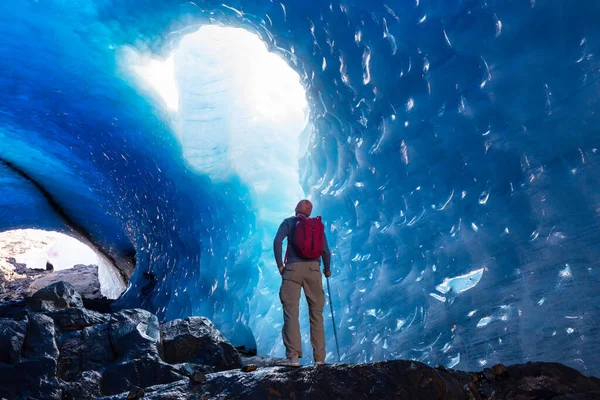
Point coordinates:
pixel 447 138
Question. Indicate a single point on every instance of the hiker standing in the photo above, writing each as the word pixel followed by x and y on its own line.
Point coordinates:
pixel 306 244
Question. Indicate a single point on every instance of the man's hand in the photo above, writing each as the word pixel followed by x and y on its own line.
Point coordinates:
pixel 280 270
pixel 327 273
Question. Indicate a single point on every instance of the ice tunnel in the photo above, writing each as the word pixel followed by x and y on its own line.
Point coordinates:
pixel 451 148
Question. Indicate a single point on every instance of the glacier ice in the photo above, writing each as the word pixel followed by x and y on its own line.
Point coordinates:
pixel 444 138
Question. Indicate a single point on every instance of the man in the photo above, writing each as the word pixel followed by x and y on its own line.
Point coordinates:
pixel 302 272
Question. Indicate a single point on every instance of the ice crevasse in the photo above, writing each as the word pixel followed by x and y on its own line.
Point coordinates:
pixel 451 147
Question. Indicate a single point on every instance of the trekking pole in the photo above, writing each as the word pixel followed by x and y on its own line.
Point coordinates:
pixel 337 345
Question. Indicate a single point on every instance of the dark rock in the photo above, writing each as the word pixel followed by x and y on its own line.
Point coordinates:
pixel 85 350
pixel 198 377
pixel 55 297
pixel 87 387
pixel 196 339
pixel 244 352
pixel 12 336
pixel 188 369
pixel 69 359
pixel 500 371
pixel 579 396
pixel 40 340
pixel 135 393
pixel 14 309
pixel 96 348
pixel 385 380
pixel 143 372
pixel 472 391
pixel 30 379
pixel 102 305
pixel 134 333
pixel 488 374
pixel 76 318
pixel 540 380
pixel 262 362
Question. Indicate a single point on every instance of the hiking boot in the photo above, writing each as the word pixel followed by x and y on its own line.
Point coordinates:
pixel 320 363
pixel 289 362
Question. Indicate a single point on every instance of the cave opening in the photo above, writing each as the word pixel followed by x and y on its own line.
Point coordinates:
pixel 31 259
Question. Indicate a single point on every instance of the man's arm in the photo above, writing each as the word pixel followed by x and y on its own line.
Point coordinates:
pixel 326 254
pixel 282 233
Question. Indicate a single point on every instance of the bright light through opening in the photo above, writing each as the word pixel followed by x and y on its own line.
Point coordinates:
pixel 270 84
pixel 161 76
pixel 35 248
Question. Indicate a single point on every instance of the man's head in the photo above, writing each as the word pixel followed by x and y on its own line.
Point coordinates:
pixel 304 207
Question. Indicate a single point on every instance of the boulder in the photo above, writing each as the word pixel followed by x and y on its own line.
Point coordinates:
pixel 134 333
pixel 30 379
pixel 57 296
pixel 40 340
pixel 84 278
pixel 86 387
pixel 12 336
pixel 86 350
pixel 76 318
pixel 141 372
pixel 195 339
pixel 96 348
pixel 69 359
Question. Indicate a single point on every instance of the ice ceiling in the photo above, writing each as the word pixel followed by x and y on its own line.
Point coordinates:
pixel 452 150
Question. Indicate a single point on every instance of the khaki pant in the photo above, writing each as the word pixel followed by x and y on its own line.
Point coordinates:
pixel 305 275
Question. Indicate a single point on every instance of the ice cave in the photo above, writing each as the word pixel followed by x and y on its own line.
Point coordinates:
pixel 450 146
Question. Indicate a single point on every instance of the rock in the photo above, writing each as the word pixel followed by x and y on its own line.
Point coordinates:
pixel 134 333
pixel 40 340
pixel 540 380
pixel 198 377
pixel 96 348
pixel 69 359
pixel 244 352
pixel 135 393
pixel 499 370
pixel 77 318
pixel 196 339
pixel 14 309
pixel 188 369
pixel 12 336
pixel 488 374
pixel 143 372
pixel 86 350
pixel 84 278
pixel 384 380
pixel 249 368
pixel 87 387
pixel 30 379
pixel 579 396
pixel 57 296
pixel 472 392
pixel 262 362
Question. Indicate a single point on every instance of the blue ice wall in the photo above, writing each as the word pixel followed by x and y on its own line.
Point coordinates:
pixel 454 158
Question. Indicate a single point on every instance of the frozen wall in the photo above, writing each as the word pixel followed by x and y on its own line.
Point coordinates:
pixel 454 155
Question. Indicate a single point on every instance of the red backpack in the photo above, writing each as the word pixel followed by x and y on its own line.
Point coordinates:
pixel 309 235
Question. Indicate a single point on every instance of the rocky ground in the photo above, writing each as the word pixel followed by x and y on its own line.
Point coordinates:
pixel 18 282
pixel 52 347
